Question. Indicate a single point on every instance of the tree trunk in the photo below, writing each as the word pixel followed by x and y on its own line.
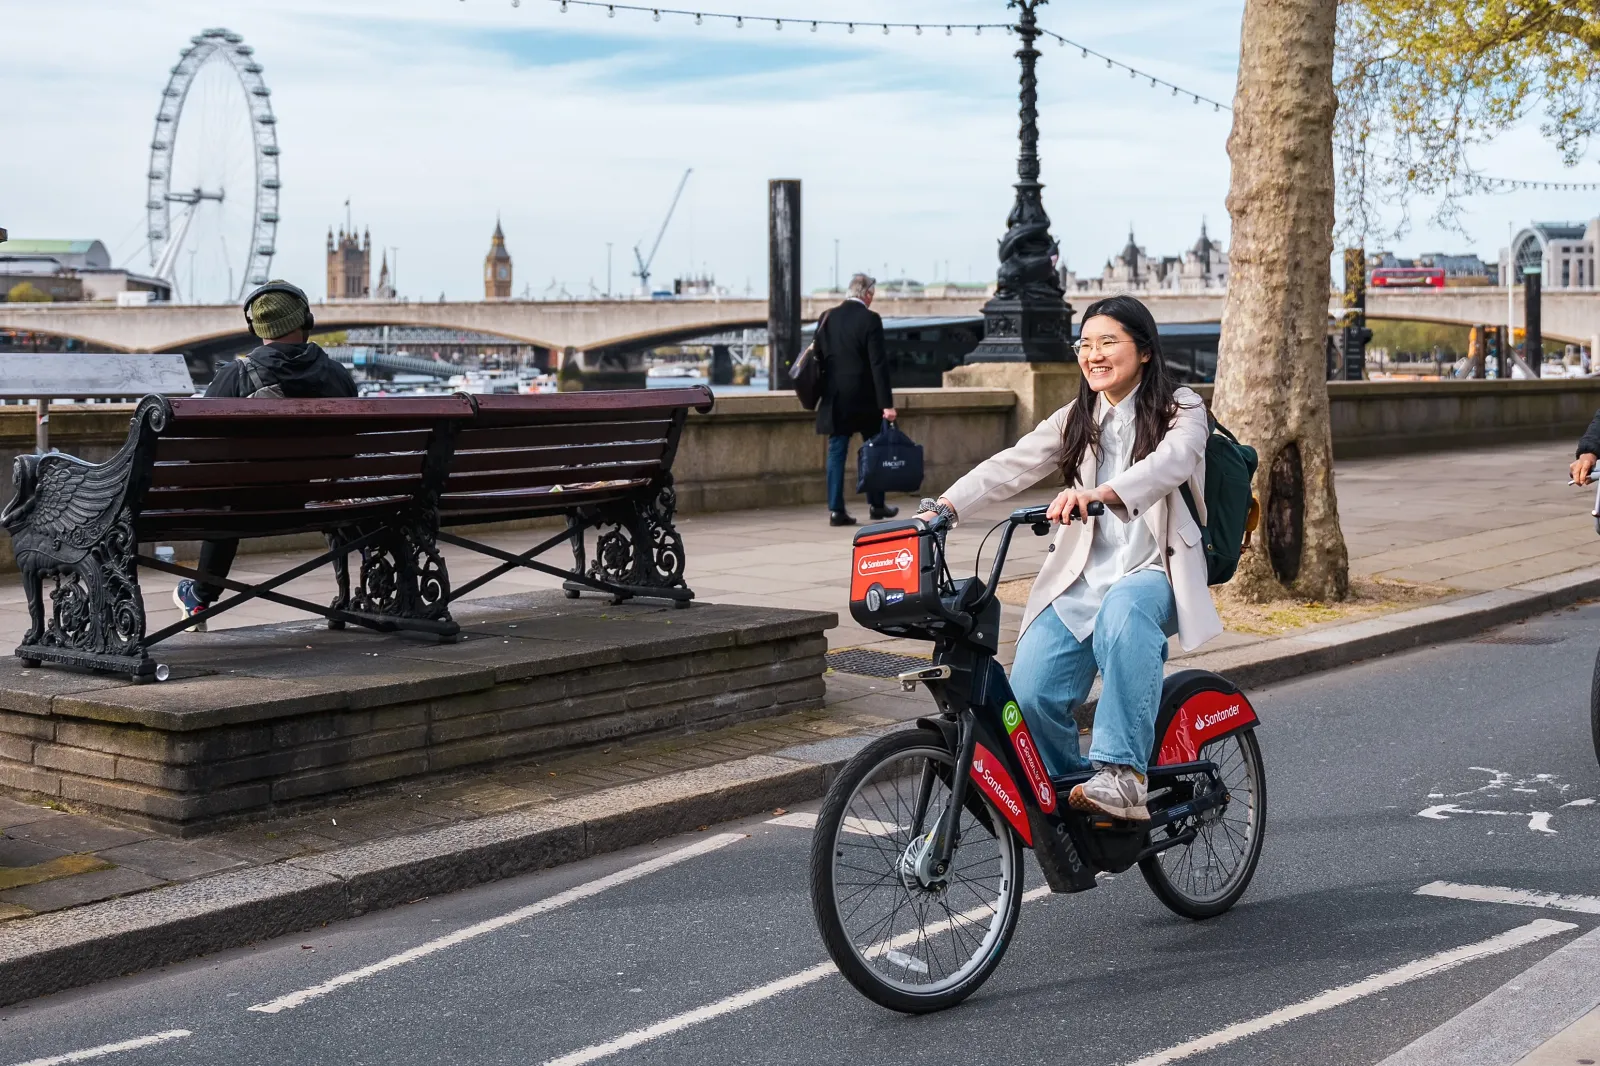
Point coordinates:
pixel 1271 385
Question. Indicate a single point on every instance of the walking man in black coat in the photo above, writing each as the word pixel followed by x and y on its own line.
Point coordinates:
pixel 856 397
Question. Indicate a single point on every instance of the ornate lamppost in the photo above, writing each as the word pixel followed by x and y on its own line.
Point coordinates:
pixel 1028 319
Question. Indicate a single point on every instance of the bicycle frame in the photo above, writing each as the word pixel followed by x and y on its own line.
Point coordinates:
pixel 994 749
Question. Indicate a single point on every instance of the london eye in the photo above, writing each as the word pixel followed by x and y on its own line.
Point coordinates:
pixel 212 202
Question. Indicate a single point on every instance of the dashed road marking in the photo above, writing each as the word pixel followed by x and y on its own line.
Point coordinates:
pixel 1521 897
pixel 870 827
pixel 110 1049
pixel 1378 982
pixel 461 936
pixel 751 996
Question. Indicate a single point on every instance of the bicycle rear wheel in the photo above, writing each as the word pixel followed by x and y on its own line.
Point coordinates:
pixel 904 943
pixel 1594 706
pixel 1206 876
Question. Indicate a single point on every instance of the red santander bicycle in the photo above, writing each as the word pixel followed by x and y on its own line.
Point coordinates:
pixel 916 863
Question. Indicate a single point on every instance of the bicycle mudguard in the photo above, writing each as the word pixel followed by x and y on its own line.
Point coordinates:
pixel 1197 707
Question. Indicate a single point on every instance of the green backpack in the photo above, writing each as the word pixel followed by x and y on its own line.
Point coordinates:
pixel 1231 511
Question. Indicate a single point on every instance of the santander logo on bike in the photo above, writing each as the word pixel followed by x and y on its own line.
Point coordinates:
pixel 876 564
pixel 996 789
pixel 1203 721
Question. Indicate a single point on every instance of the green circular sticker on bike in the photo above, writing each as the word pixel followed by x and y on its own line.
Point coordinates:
pixel 1011 714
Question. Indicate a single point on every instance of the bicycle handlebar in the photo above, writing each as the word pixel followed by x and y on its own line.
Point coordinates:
pixel 1038 517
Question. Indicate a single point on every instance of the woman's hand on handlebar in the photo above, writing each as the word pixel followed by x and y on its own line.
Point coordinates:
pixel 1073 504
pixel 1582 467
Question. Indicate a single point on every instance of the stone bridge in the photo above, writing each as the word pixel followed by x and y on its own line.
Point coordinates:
pixel 621 325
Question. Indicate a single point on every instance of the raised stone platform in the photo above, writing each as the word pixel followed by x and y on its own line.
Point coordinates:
pixel 269 719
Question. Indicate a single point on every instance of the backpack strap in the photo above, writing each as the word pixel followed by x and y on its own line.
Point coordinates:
pixel 254 382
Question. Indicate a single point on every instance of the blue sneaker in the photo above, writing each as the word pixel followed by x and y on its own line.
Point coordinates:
pixel 189 603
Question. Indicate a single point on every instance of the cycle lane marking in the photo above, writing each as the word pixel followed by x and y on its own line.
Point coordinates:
pixel 751 996
pixel 1521 897
pixel 109 1049
pixel 867 827
pixel 470 932
pixel 1521 936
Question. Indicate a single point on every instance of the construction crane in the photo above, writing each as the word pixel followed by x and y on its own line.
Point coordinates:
pixel 643 273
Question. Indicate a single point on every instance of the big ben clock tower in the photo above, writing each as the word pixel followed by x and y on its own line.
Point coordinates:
pixel 497 268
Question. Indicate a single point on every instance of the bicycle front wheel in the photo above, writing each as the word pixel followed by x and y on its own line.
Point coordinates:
pixel 907 941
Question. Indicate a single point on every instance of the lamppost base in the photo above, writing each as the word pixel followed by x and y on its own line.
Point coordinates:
pixel 1025 330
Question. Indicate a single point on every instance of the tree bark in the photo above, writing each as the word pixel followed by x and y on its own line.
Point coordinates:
pixel 1271 385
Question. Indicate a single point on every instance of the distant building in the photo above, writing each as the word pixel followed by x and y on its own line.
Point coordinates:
pixel 385 289
pixel 497 267
pixel 1566 251
pixel 1203 268
pixel 349 266
pixel 71 271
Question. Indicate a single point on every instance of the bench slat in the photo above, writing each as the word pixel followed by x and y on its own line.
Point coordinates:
pixel 476 507
pixel 278 497
pixel 281 471
pixel 319 446
pixel 418 410
pixel 470 438
pixel 223 525
pixel 533 479
pixel 568 457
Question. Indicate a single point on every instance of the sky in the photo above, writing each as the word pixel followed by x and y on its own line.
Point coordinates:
pixel 433 118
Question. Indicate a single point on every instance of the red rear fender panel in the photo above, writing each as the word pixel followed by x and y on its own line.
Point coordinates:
pixel 995 782
pixel 1202 718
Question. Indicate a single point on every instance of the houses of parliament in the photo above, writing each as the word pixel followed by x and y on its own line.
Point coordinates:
pixel 350 267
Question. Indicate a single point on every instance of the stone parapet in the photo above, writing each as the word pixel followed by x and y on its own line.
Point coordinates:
pixel 1375 418
pixel 265 719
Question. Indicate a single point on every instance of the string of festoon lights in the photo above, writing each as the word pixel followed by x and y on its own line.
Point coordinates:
pixel 851 26
pixel 1488 184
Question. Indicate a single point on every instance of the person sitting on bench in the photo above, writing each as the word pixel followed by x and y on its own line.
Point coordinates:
pixel 287 365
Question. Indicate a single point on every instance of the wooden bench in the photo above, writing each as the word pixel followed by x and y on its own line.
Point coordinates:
pixel 365 472
pixel 378 477
pixel 598 459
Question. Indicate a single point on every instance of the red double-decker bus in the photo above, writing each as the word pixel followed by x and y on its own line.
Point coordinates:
pixel 1407 278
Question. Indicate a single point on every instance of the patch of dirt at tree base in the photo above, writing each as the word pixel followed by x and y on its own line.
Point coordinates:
pixel 1369 597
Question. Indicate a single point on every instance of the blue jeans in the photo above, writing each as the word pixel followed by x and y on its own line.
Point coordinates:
pixel 1053 672
pixel 838 452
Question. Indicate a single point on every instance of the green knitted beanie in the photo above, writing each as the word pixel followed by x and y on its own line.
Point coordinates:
pixel 275 314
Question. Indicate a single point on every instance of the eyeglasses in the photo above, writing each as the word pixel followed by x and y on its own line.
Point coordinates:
pixel 1104 347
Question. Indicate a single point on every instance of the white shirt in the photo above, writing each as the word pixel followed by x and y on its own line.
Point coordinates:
pixel 1118 548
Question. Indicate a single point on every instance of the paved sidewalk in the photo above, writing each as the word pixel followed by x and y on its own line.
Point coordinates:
pixel 1478 521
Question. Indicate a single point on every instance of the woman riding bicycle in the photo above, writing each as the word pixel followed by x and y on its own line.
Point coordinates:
pixel 1112 590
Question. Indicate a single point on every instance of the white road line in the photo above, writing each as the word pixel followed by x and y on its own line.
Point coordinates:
pixel 867 827
pixel 461 936
pixel 748 998
pixel 1378 982
pixel 110 1049
pixel 1521 897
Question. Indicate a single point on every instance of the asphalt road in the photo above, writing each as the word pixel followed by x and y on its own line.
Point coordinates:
pixel 1104 977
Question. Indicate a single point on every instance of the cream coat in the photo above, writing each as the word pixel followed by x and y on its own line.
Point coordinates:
pixel 1149 492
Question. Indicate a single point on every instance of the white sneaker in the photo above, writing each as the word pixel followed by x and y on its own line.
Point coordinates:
pixel 1115 790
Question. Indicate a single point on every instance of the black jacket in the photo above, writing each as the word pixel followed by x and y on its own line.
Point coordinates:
pixel 855 371
pixel 1590 441
pixel 304 371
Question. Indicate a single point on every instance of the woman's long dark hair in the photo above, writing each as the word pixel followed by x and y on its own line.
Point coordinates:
pixel 1153 405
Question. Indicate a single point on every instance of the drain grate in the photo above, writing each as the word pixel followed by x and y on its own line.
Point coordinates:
pixel 870 663
pixel 1518 638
